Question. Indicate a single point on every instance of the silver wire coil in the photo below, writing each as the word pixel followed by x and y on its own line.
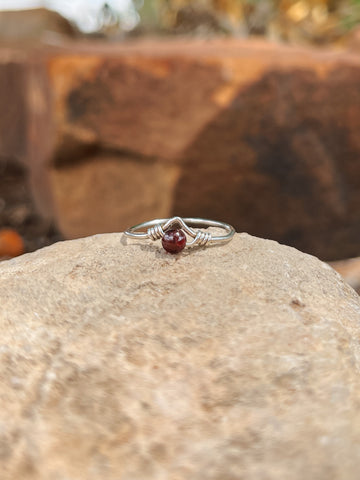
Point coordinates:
pixel 156 232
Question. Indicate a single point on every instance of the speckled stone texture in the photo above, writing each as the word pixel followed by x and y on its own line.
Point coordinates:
pixel 122 362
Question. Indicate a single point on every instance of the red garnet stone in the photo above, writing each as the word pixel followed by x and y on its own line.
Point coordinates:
pixel 174 241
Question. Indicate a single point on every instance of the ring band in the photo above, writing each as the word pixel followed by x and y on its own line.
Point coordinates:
pixel 172 232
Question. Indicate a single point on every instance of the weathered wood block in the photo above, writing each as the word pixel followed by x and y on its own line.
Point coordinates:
pixel 262 136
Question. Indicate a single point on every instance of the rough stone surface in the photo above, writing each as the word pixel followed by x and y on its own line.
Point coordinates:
pixel 122 362
pixel 260 135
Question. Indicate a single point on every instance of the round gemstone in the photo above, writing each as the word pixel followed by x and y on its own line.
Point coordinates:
pixel 174 241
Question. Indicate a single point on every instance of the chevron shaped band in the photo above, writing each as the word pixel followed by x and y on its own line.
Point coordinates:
pixel 174 232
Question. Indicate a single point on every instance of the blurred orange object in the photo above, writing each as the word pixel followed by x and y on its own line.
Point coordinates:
pixel 11 244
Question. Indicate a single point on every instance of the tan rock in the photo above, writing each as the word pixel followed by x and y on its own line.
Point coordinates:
pixel 122 362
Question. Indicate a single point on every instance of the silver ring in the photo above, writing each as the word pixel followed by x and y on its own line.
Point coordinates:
pixel 172 232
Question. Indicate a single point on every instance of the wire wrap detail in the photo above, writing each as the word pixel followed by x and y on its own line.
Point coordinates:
pixel 156 232
pixel 201 239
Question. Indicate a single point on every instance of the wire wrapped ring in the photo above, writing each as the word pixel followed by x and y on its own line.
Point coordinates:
pixel 172 232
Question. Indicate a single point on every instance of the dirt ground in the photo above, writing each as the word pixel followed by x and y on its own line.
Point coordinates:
pixel 17 210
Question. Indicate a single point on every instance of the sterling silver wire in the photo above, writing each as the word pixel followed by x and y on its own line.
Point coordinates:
pixel 155 230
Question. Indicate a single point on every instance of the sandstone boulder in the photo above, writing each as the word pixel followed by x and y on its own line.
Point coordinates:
pixel 122 362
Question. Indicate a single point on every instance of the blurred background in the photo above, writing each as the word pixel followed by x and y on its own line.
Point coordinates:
pixel 246 111
pixel 314 21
